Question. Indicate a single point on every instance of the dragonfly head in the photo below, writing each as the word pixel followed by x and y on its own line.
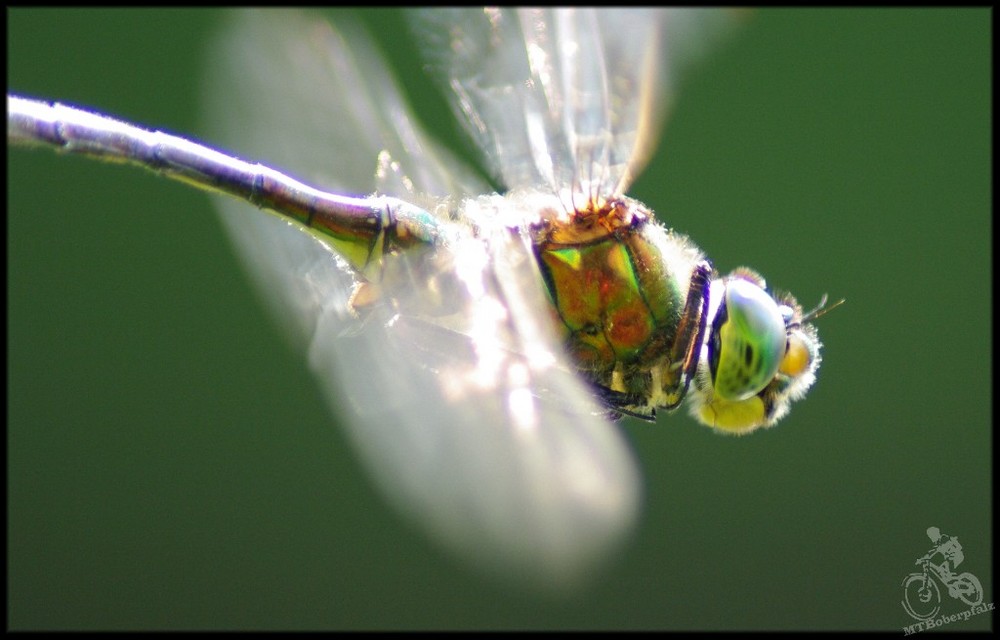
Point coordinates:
pixel 760 354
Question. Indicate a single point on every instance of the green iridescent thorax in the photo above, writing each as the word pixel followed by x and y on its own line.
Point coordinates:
pixel 619 283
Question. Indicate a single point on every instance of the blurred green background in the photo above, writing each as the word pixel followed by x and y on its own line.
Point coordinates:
pixel 171 464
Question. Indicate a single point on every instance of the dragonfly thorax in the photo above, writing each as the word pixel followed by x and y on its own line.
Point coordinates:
pixel 629 298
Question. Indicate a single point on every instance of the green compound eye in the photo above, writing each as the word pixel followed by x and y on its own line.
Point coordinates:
pixel 750 342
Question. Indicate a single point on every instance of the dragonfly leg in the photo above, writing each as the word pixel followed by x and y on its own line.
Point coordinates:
pixel 686 347
pixel 620 404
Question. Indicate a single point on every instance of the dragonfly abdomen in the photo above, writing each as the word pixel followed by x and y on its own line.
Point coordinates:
pixel 359 229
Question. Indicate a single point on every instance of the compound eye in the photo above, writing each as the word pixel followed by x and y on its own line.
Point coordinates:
pixel 798 356
pixel 750 341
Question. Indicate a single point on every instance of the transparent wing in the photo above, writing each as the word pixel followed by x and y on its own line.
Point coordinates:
pixel 471 422
pixel 317 103
pixel 564 97
pixel 330 106
pixel 449 382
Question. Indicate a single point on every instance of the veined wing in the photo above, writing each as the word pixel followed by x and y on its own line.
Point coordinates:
pixel 454 393
pixel 299 73
pixel 285 87
pixel 562 98
pixel 471 422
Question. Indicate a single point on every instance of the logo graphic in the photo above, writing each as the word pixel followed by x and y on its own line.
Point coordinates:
pixel 922 590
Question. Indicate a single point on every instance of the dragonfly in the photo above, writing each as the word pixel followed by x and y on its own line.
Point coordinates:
pixel 483 335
